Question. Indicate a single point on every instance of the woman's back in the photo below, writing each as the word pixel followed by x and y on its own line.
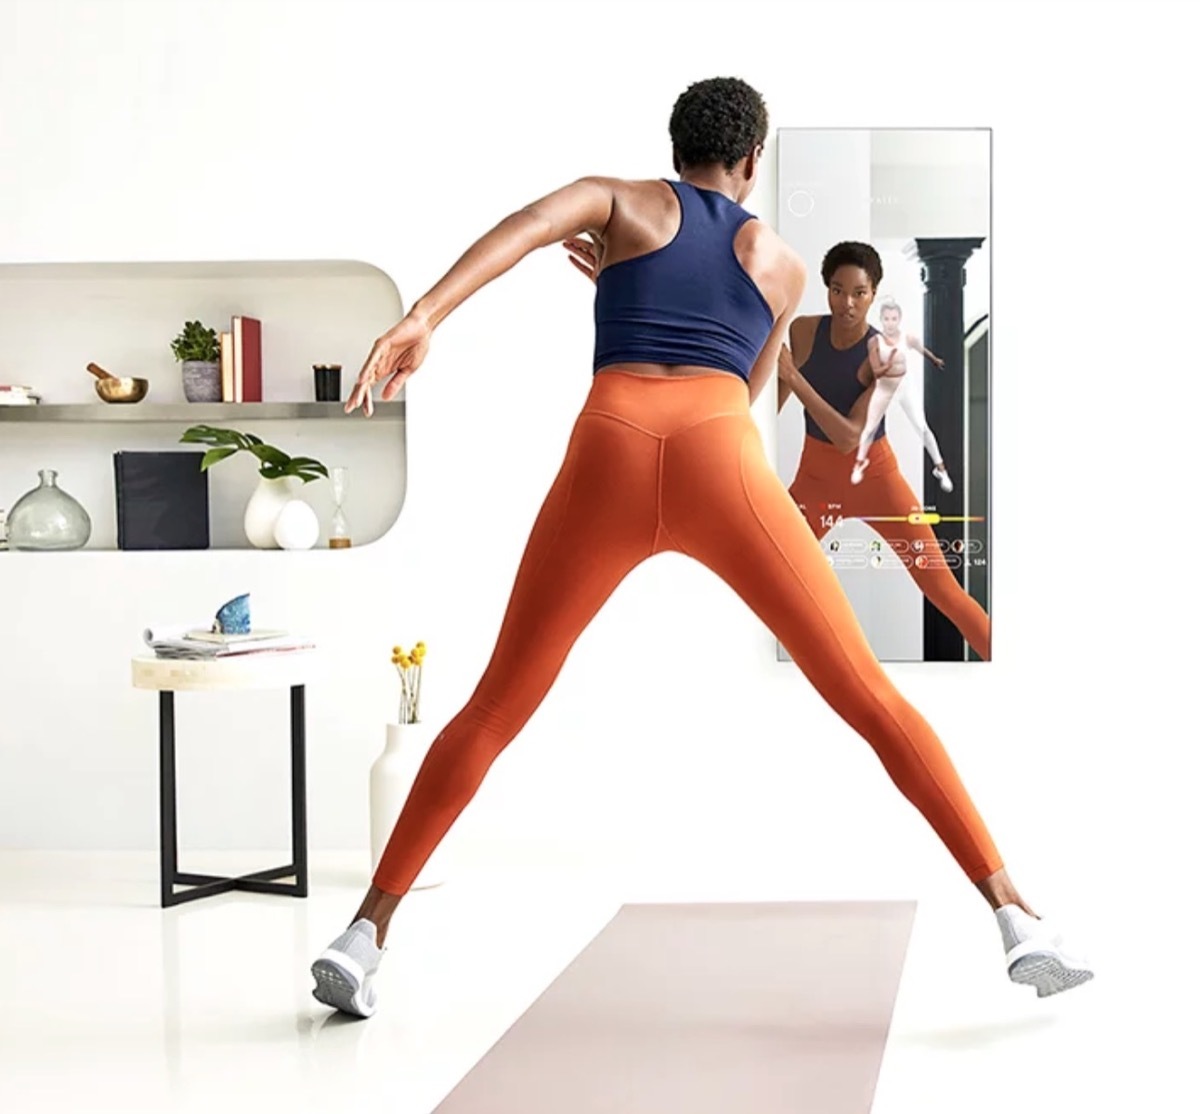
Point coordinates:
pixel 689 279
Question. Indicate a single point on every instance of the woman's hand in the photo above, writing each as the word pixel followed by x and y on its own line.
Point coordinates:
pixel 878 367
pixel 784 365
pixel 398 353
pixel 917 346
pixel 785 377
pixel 789 375
pixel 586 255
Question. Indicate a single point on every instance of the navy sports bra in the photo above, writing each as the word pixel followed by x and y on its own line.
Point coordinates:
pixel 833 373
pixel 687 302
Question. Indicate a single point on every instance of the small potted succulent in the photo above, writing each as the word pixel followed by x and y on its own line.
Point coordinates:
pixel 199 350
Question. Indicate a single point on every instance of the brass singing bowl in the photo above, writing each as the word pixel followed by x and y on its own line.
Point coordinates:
pixel 117 389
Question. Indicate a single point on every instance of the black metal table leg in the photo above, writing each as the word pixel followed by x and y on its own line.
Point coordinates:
pixel 168 843
pixel 208 885
pixel 299 793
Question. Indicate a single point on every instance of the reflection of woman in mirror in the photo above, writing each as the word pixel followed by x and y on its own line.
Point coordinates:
pixel 829 369
pixel 910 397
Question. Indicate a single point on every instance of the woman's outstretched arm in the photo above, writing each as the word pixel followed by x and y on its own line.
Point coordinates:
pixel 583 206
pixel 916 345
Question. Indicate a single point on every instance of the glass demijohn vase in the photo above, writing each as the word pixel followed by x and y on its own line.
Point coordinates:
pixel 47 518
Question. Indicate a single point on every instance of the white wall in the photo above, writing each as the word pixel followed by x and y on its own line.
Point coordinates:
pixel 397 133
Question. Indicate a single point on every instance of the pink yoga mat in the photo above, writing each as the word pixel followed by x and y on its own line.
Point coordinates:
pixel 772 1008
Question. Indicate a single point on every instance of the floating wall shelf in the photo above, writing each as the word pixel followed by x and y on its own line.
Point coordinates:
pixel 193 413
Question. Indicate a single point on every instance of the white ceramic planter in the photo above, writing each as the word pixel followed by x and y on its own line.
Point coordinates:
pixel 392 776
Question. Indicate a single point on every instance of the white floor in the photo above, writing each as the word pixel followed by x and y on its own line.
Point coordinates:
pixel 110 1003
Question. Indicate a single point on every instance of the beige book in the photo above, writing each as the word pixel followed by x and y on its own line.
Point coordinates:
pixel 227 367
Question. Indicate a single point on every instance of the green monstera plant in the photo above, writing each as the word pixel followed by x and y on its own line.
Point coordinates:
pixel 274 464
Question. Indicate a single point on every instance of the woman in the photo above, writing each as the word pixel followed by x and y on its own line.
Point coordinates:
pixel 887 364
pixel 910 397
pixel 691 307
pixel 828 367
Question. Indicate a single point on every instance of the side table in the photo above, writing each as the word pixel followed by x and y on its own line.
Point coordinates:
pixel 290 669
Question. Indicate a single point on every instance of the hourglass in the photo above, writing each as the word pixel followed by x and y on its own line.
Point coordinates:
pixel 339 528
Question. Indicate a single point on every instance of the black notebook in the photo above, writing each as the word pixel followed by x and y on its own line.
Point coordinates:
pixel 162 500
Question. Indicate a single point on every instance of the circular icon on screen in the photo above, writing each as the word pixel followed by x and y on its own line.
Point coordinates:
pixel 922 562
pixel 918 546
pixel 834 546
pixel 957 545
pixel 876 546
pixel 877 560
pixel 800 203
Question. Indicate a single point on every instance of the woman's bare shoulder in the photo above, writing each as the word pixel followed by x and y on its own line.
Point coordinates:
pixel 804 324
pixel 645 186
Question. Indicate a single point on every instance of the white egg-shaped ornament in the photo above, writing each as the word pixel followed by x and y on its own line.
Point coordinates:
pixel 297 526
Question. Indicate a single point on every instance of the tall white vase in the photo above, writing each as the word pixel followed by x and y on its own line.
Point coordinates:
pixel 392 777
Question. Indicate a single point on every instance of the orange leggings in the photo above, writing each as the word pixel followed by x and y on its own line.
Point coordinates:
pixel 822 490
pixel 669 463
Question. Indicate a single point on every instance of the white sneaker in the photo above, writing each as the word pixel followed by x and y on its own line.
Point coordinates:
pixel 943 478
pixel 344 971
pixel 1036 955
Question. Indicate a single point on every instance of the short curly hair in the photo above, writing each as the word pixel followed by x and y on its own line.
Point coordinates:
pixel 719 120
pixel 851 253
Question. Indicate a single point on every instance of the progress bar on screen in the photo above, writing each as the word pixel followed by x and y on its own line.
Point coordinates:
pixel 922 518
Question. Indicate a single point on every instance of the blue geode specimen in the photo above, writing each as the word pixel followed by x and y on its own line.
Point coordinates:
pixel 234 617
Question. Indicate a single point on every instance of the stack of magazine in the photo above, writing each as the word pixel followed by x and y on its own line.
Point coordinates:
pixel 14 394
pixel 206 645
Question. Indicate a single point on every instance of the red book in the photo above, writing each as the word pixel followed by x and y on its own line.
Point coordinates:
pixel 247 359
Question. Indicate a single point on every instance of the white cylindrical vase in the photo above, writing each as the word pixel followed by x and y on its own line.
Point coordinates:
pixel 392 777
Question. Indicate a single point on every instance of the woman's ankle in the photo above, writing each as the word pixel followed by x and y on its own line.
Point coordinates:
pixel 378 907
pixel 998 890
